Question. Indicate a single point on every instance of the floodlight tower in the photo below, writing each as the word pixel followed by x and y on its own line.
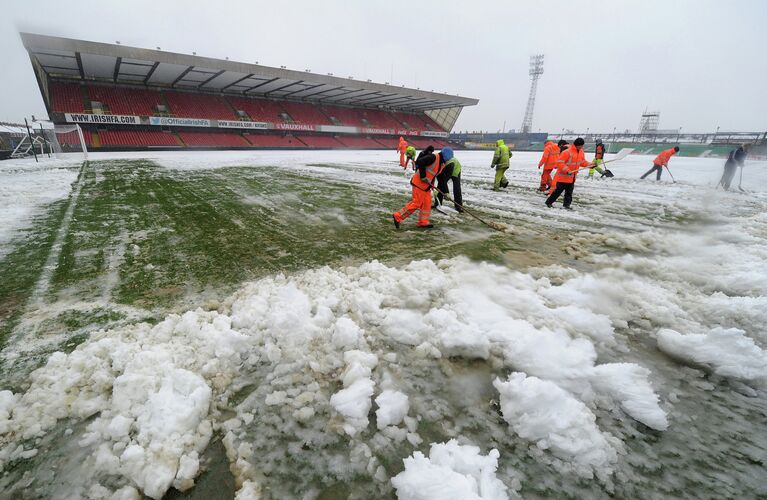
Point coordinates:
pixel 536 70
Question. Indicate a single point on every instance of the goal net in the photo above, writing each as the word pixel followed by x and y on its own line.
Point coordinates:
pixel 65 141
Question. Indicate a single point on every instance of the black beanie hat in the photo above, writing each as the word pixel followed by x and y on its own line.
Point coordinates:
pixel 579 142
pixel 562 142
pixel 676 148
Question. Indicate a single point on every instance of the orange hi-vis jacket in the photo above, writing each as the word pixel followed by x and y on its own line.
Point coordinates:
pixel 550 156
pixel 663 158
pixel 569 162
pixel 402 146
pixel 432 171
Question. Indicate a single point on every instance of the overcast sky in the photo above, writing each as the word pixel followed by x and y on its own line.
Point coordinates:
pixel 701 63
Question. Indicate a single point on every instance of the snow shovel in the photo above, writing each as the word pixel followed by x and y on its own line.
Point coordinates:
pixel 741 180
pixel 669 173
pixel 494 225
pixel 620 155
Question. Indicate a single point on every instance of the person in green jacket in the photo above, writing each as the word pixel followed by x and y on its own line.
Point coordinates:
pixel 451 171
pixel 501 164
pixel 409 157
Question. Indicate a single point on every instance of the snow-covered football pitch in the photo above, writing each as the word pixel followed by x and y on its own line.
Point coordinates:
pixel 252 324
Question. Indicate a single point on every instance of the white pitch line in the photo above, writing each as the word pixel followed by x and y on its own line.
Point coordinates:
pixel 44 281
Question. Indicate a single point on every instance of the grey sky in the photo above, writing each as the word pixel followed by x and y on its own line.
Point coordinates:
pixel 700 62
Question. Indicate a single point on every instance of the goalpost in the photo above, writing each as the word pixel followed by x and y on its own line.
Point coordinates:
pixel 65 140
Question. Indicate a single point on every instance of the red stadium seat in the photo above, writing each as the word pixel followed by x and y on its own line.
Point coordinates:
pixel 274 141
pixel 389 142
pixel 325 142
pixel 345 116
pixel 259 110
pixel 126 101
pixel 201 139
pixel 189 105
pixel 71 139
pixel 305 113
pixel 137 138
pixel 359 142
pixel 66 97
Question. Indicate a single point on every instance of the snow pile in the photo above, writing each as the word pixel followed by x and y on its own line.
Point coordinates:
pixel 151 388
pixel 7 402
pixel 628 383
pixel 154 389
pixel 392 408
pixel 353 402
pixel 728 351
pixel 543 412
pixel 451 472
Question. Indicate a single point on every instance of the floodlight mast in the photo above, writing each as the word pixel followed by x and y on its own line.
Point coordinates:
pixel 536 70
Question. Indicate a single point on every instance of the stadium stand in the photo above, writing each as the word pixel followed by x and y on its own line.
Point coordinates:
pixel 305 113
pixel 321 142
pixel 388 142
pixel 274 141
pixel 192 105
pixel 137 138
pixel 71 139
pixel 359 142
pixel 380 119
pixel 259 110
pixel 344 116
pixel 194 139
pixel 137 98
pixel 66 97
pixel 126 101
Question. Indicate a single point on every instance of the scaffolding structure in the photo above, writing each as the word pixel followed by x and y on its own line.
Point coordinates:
pixel 649 122
pixel 536 70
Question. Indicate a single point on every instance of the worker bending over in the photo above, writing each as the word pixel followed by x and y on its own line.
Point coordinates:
pixel 428 167
pixel 549 160
pixel 570 162
pixel 661 161
pixel 736 158
pixel 501 164
pixel 409 157
pixel 452 171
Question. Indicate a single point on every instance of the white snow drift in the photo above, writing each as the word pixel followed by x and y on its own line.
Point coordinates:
pixel 451 472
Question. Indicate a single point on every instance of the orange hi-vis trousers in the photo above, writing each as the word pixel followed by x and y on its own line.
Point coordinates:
pixel 546 179
pixel 421 201
pixel 402 162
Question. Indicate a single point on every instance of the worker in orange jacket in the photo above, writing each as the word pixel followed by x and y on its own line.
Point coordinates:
pixel 548 161
pixel 570 161
pixel 402 147
pixel 428 167
pixel 661 161
pixel 563 145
